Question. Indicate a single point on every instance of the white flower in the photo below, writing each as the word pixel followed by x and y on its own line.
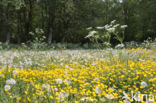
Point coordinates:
pixel 67 81
pixel 46 86
pixel 8 87
pixel 111 88
pixel 71 69
pixel 64 94
pixel 97 90
pixel 96 79
pixel 111 29
pixel 102 99
pixel 10 81
pixel 84 99
pixel 116 25
pixel 59 81
pixel 15 72
pixel 1 75
pixel 110 96
pixel 89 28
pixel 144 84
pixel 112 22
pixel 55 89
pixel 66 66
pixel 91 33
pixel 99 27
pixel 119 46
pixel 124 26
pixel 106 26
pixel 65 72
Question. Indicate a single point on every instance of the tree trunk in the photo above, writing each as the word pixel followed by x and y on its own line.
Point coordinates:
pixel 28 26
pixel 8 24
pixel 50 35
pixel 126 18
pixel 18 27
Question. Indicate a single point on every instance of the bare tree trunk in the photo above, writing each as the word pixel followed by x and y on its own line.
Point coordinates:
pixel 28 25
pixel 18 26
pixel 50 36
pixel 8 24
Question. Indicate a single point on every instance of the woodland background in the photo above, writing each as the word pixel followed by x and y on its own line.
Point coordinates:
pixel 60 21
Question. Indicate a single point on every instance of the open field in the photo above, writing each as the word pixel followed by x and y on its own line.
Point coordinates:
pixel 77 76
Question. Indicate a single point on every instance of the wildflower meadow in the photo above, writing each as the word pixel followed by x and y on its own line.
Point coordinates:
pixel 78 76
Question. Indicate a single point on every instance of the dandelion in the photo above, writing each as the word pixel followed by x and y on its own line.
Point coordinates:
pixel 59 81
pixel 11 81
pixel 7 87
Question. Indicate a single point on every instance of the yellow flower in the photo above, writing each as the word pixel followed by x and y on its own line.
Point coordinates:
pixel 19 98
pixel 6 90
pixel 51 97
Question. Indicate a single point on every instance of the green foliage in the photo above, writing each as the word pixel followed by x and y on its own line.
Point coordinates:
pixel 66 20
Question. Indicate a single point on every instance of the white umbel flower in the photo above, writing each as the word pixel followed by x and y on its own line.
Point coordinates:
pixel 112 22
pixel 10 81
pixel 111 29
pixel 124 26
pixel 99 27
pixel 119 46
pixel 89 28
pixel 91 33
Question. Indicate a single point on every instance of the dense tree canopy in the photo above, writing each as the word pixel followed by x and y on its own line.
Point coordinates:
pixel 67 20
